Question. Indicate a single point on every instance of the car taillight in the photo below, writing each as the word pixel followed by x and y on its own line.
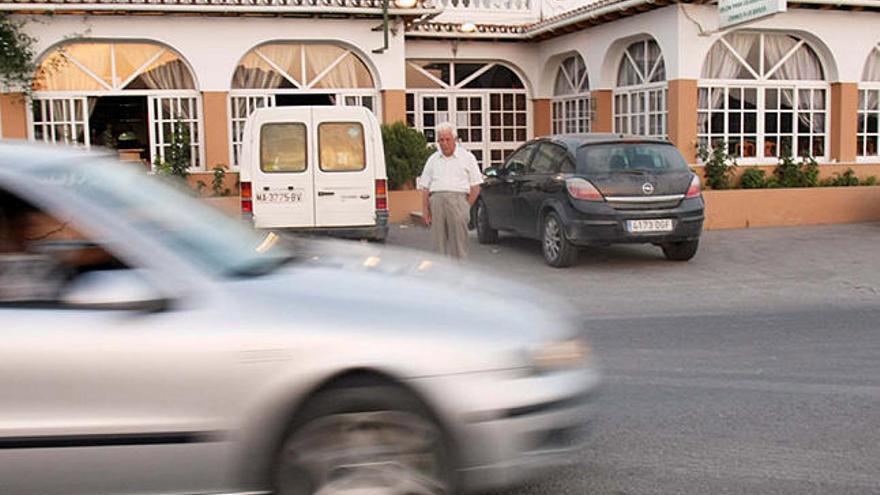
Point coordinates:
pixel 582 189
pixel 381 194
pixel 247 203
pixel 694 189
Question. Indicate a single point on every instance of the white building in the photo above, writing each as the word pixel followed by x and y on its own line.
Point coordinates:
pixel 805 80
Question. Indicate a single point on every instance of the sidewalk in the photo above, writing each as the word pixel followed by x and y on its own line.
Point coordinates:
pixel 759 269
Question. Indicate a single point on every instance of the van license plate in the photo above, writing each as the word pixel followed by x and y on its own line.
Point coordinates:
pixel 647 226
pixel 279 197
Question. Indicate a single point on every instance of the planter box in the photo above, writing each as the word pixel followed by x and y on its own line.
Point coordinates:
pixel 744 208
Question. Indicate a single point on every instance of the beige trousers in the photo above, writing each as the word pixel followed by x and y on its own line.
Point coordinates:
pixel 449 218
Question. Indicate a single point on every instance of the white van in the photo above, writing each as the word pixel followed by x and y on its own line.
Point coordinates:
pixel 315 168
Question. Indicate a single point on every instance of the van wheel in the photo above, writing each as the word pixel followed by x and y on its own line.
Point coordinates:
pixel 485 233
pixel 680 251
pixel 375 439
pixel 558 251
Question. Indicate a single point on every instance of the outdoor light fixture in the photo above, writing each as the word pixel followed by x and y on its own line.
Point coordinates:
pixel 468 27
pixel 405 4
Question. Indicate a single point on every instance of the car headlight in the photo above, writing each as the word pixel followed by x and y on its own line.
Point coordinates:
pixel 564 354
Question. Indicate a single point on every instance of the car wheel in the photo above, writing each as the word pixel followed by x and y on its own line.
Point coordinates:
pixel 680 251
pixel 485 233
pixel 366 440
pixel 558 251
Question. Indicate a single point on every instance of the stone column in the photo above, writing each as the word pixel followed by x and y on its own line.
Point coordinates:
pixel 216 119
pixel 844 122
pixel 393 106
pixel 603 120
pixel 13 112
pixel 542 115
pixel 682 117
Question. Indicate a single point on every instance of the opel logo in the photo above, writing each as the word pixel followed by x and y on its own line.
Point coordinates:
pixel 648 188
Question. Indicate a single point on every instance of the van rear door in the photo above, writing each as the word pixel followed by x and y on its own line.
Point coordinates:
pixel 345 168
pixel 283 170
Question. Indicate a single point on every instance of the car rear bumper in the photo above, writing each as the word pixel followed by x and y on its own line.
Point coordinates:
pixel 602 224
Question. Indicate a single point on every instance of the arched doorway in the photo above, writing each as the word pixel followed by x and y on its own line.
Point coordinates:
pixel 288 73
pixel 486 101
pixel 122 95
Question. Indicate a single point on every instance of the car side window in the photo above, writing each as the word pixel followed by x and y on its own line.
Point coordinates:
pixel 40 255
pixel 517 164
pixel 551 158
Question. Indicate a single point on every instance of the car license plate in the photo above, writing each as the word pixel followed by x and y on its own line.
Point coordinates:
pixel 279 197
pixel 648 226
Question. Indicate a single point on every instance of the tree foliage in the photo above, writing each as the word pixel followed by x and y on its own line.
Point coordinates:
pixel 16 55
pixel 406 151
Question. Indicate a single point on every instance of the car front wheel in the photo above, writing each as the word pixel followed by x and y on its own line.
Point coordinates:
pixel 558 251
pixel 485 233
pixel 680 251
pixel 376 439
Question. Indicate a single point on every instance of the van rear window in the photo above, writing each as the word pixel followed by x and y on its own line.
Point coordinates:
pixel 342 146
pixel 283 148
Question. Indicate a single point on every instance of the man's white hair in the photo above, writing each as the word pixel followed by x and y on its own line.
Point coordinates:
pixel 446 127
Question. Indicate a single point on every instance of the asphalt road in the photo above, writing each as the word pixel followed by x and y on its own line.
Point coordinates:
pixel 753 369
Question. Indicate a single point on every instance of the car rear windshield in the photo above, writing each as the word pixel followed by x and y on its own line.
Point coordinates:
pixel 608 158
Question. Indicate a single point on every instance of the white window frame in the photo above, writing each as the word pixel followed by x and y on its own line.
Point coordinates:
pixel 763 82
pixel 572 113
pixel 487 146
pixel 862 131
pixel 159 141
pixel 632 103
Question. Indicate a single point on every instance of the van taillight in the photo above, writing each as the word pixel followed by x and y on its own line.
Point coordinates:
pixel 247 203
pixel 381 194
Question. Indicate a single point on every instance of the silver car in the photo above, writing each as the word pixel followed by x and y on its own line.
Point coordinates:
pixel 153 345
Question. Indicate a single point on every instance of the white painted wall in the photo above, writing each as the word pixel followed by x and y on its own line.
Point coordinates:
pixel 213 46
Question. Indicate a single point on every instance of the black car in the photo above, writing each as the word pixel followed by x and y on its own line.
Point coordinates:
pixel 593 189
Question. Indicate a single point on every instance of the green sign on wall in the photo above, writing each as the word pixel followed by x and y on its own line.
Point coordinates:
pixel 733 12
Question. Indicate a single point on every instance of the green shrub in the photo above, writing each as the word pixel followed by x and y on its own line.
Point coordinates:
pixel 845 179
pixel 406 152
pixel 217 182
pixel 718 167
pixel 753 178
pixel 790 173
pixel 870 181
pixel 177 155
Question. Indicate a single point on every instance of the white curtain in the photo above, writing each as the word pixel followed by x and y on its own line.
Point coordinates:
pixel 722 64
pixel 872 67
pixel 167 75
pixel 802 65
pixel 288 57
pixel 254 73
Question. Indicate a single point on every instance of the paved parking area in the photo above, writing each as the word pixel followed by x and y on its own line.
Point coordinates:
pixel 761 269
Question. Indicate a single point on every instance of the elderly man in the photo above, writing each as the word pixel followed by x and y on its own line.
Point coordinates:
pixel 450 184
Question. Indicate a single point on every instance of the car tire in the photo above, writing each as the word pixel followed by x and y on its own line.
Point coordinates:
pixel 485 233
pixel 680 251
pixel 366 438
pixel 558 251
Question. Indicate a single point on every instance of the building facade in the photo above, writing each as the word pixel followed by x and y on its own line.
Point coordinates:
pixel 130 73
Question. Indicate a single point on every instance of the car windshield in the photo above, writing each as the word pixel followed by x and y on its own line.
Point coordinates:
pixel 202 234
pixel 635 158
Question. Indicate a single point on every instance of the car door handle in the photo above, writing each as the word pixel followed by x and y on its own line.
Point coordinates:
pixel 365 196
pixel 326 193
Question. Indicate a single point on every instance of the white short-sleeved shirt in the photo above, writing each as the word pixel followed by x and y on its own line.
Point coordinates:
pixel 456 173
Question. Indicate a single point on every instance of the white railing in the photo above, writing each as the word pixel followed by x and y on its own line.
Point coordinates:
pixel 506 11
pixel 489 11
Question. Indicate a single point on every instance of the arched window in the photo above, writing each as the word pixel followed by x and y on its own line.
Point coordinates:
pixel 763 95
pixel 572 110
pixel 640 96
pixel 869 110
pixel 485 100
pixel 295 73
pixel 126 95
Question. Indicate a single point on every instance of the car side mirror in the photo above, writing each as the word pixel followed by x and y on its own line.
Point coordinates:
pixel 112 289
pixel 491 172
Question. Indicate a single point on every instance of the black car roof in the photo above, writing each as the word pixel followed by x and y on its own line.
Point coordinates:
pixel 575 141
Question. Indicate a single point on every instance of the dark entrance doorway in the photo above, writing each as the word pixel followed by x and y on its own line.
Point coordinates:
pixel 306 99
pixel 120 122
